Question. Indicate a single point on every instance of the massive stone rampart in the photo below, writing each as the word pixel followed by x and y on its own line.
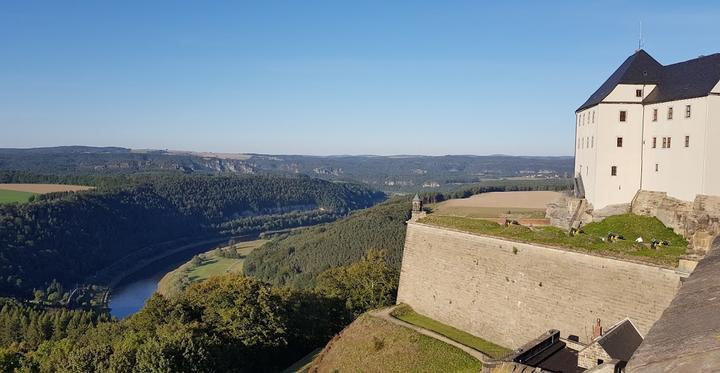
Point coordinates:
pixel 509 292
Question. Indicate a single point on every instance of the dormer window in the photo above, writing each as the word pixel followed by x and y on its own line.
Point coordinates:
pixel 638 93
pixel 623 115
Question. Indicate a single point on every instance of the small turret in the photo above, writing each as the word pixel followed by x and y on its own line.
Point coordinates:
pixel 417 204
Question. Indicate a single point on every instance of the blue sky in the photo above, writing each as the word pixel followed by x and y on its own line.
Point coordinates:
pixel 324 77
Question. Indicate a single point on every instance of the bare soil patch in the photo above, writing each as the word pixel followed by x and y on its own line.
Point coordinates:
pixel 44 188
pixel 499 204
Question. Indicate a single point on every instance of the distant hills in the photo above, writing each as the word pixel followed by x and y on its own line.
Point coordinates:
pixel 389 173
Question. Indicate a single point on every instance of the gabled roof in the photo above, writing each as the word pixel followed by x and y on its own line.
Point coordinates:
pixel 640 68
pixel 416 198
pixel 621 340
pixel 689 79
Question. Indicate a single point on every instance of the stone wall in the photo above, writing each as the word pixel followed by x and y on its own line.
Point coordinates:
pixel 588 357
pixel 698 221
pixel 510 293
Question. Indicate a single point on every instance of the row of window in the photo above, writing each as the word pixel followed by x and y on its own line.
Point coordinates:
pixel 589 142
pixel 586 142
pixel 581 119
pixel 688 113
pixel 667 142
pixel 614 169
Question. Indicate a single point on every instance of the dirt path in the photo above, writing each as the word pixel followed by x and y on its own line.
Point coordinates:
pixel 385 315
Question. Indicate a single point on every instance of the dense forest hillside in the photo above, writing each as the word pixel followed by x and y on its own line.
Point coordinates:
pixel 389 173
pixel 70 236
pixel 297 259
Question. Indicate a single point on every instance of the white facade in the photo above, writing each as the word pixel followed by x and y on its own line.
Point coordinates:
pixel 625 144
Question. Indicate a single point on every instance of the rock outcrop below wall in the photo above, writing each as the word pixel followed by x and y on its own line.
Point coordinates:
pixel 510 293
pixel 698 221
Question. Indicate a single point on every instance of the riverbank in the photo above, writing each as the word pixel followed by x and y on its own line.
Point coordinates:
pixel 215 262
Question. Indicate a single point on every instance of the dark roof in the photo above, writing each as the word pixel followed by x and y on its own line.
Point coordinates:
pixel 693 78
pixel 621 341
pixel 685 338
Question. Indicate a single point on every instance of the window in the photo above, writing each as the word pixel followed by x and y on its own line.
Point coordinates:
pixel 669 139
pixel 688 111
pixel 623 115
pixel 583 143
pixel 654 142
pixel 687 141
pixel 670 113
pixel 665 142
pixel 638 93
pixel 592 142
pixel 657 167
pixel 593 117
pixel 613 171
pixel 655 111
pixel 619 142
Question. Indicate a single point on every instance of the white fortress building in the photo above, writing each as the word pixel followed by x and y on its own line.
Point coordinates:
pixel 650 127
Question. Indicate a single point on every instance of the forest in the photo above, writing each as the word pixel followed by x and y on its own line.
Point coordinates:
pixel 407 173
pixel 70 236
pixel 298 258
pixel 229 323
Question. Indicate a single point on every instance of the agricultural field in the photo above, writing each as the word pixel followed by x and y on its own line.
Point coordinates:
pixel 371 344
pixel 21 193
pixel 498 204
pixel 594 237
pixel 207 265
pixel 44 188
pixel 12 196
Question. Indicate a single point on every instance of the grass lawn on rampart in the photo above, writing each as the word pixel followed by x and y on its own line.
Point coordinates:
pixel 371 344
pixel 629 225
pixel 11 196
pixel 405 313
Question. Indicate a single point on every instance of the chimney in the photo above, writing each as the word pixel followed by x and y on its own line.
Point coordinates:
pixel 597 329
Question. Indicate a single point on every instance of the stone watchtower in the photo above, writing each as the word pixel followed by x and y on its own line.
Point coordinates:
pixel 417 208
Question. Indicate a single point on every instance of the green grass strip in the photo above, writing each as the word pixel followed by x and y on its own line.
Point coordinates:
pixel 405 313
pixel 629 225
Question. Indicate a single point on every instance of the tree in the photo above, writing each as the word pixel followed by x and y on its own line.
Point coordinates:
pixel 369 283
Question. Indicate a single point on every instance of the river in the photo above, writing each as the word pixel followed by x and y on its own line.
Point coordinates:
pixel 130 295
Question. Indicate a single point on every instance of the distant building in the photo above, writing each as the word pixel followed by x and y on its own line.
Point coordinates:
pixel 650 127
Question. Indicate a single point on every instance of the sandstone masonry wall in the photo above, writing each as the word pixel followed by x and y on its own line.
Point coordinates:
pixel 509 293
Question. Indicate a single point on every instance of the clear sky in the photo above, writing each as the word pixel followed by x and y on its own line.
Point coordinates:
pixel 324 77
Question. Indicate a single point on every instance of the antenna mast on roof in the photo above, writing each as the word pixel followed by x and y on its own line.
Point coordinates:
pixel 641 42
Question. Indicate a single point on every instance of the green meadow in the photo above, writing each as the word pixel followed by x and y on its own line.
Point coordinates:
pixel 11 196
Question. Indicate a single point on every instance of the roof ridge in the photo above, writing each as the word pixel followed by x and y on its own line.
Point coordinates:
pixel 701 57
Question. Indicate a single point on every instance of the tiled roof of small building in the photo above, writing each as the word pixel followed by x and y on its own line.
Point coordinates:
pixel 621 341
